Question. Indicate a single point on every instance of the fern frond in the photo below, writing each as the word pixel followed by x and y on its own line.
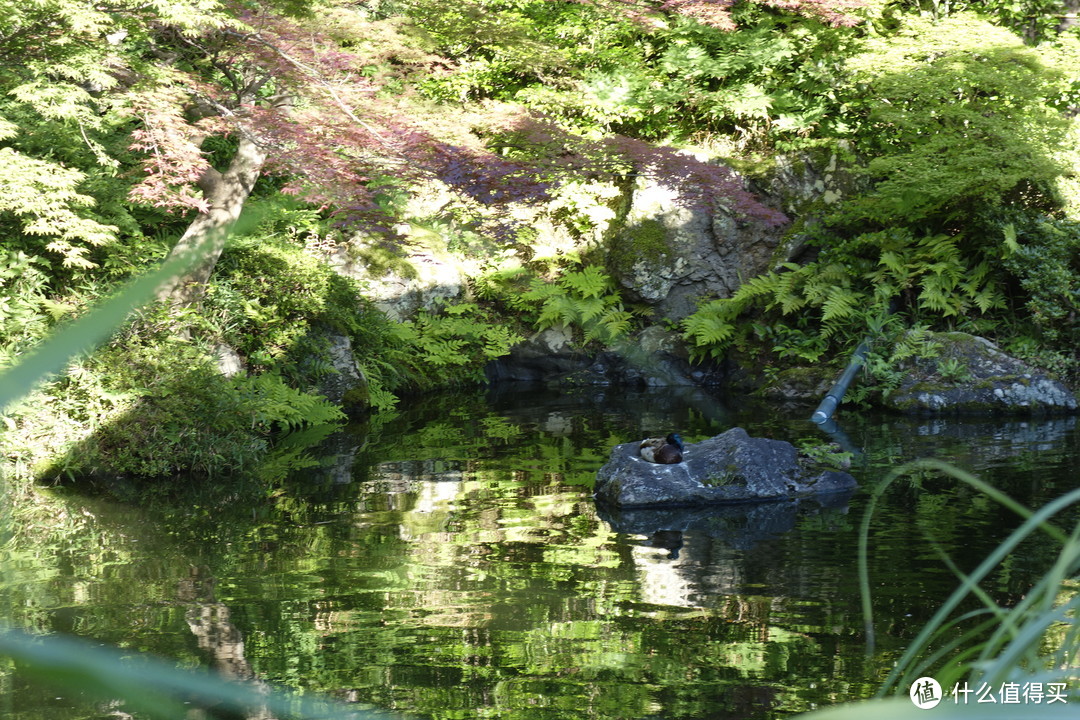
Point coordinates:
pixel 591 282
pixel 840 304
pixel 588 309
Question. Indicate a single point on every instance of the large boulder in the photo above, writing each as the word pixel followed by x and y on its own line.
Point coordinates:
pixel 669 256
pixel 345 384
pixel 656 357
pixel 968 374
pixel 731 467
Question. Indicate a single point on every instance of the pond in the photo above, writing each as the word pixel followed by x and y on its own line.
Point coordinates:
pixel 449 562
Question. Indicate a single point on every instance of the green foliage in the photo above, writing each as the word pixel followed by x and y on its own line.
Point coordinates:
pixel 25 310
pixel 893 345
pixel 152 686
pixel 583 301
pixel 1034 20
pixel 451 343
pixel 501 49
pixel 273 404
pixel 267 295
pixel 851 283
pixel 829 456
pixel 159 409
pixel 955 116
pixel 1043 255
pixel 598 72
pixel 45 199
pixel 274 302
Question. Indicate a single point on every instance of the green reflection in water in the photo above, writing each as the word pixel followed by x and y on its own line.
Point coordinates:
pixel 452 564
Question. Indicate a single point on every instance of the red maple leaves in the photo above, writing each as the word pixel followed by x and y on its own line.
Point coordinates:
pixel 329 132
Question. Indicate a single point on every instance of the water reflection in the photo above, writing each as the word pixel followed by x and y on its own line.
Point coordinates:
pixel 452 564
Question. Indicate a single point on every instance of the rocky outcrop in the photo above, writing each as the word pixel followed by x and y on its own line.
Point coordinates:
pixel 670 256
pixel 401 281
pixel 345 385
pixel 969 374
pixel 805 186
pixel 731 467
pixel 654 358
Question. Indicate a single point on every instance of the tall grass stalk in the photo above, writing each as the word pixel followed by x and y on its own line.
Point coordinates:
pixel 1014 644
pixel 144 684
pixel 156 688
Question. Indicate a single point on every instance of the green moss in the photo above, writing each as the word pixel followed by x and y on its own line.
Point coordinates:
pixel 380 260
pixel 728 476
pixel 647 239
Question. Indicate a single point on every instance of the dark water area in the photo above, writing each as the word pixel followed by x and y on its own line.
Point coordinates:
pixel 451 563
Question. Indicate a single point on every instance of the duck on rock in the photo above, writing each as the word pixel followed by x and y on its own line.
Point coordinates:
pixel 666 451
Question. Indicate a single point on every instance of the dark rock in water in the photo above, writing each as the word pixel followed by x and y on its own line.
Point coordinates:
pixel 731 467
pixel 968 374
pixel 654 358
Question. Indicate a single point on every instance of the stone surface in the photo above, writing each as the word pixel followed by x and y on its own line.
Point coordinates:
pixel 405 280
pixel 731 467
pixel 970 375
pixel 346 385
pixel 656 357
pixel 229 362
pixel 670 256
pixel 806 185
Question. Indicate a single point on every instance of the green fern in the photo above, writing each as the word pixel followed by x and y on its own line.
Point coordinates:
pixel 585 300
pixel 272 403
pixel 590 282
pixel 851 282
pixel 463 335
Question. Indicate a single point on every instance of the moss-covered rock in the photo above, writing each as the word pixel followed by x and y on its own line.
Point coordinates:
pixel 732 467
pixel 670 256
pixel 968 374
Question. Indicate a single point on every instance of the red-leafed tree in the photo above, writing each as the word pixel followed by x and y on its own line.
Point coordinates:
pixel 298 103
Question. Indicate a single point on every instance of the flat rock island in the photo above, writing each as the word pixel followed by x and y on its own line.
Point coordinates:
pixel 731 467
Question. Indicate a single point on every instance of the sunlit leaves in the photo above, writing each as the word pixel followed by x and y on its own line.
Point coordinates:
pixel 44 196
pixel 958 113
pixel 585 300
pixel 850 285
pixel 171 145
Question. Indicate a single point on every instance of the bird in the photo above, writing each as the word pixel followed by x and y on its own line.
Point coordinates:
pixel 666 451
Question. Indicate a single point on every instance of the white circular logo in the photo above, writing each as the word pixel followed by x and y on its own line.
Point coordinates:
pixel 925 693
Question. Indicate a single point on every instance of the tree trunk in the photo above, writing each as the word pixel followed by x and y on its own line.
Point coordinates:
pixel 226 193
pixel 1069 17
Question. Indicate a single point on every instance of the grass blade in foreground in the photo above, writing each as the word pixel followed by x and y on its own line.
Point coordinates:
pixel 56 351
pixel 154 687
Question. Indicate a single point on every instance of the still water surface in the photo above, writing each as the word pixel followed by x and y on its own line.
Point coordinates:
pixel 451 563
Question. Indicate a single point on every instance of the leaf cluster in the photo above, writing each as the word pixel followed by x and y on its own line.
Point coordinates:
pixel 451 343
pixel 601 72
pixel 585 302
pixel 850 287
pixel 956 116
